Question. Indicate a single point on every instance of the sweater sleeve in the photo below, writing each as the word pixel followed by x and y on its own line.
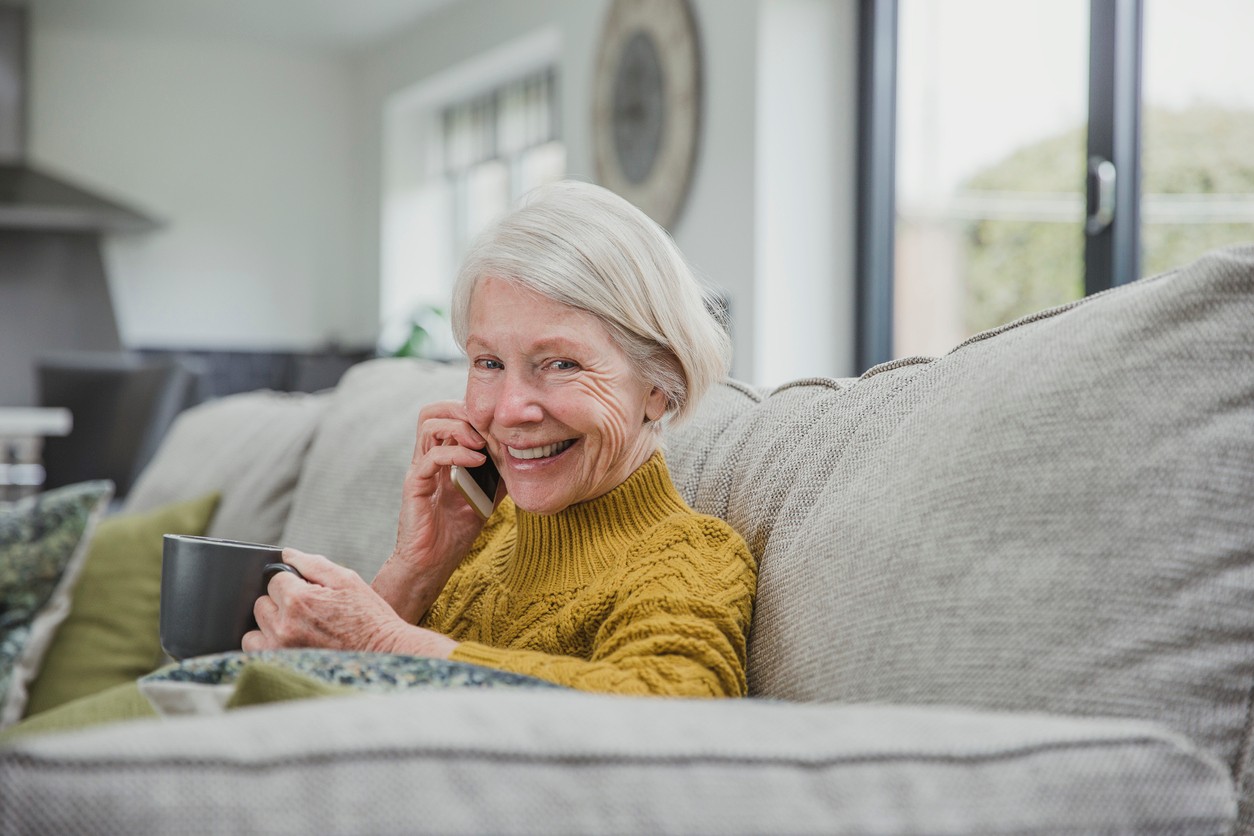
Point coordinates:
pixel 677 624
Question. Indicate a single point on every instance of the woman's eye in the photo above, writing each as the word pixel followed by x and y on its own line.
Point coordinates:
pixel 488 363
pixel 563 365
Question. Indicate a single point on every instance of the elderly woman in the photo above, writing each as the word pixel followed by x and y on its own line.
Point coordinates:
pixel 586 332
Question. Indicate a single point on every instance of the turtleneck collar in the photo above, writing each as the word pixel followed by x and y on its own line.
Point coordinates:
pixel 566 549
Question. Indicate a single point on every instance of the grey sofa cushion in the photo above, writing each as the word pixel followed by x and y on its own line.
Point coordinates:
pixel 692 448
pixel 1056 516
pixel 565 762
pixel 349 496
pixel 250 447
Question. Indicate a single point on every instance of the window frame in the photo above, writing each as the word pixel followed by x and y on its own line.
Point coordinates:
pixel 491 105
pixel 877 180
pixel 1112 256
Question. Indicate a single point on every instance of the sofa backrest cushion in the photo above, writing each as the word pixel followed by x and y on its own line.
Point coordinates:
pixel 693 449
pixel 1056 516
pixel 348 499
pixel 247 447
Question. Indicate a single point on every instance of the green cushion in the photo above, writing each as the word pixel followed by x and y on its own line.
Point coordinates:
pixel 111 635
pixel 121 702
pixel 257 683
pixel 262 682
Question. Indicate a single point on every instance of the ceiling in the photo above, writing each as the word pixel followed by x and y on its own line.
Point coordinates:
pixel 322 24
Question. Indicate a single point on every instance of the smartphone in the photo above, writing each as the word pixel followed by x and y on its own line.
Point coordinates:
pixel 478 485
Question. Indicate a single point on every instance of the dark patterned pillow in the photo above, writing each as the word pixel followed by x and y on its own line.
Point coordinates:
pixel 43 543
pixel 368 672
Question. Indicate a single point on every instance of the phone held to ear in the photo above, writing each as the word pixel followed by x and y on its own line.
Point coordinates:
pixel 478 485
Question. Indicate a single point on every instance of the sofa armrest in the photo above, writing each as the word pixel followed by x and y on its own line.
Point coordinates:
pixel 523 761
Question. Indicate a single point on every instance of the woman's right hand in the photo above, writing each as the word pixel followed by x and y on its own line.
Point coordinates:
pixel 437 525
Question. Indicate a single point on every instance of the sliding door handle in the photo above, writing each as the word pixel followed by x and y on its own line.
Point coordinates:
pixel 1101 196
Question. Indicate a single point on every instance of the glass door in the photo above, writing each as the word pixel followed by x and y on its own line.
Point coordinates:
pixel 992 103
pixel 1198 129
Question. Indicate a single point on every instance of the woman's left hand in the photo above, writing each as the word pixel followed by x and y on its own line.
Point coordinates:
pixel 334 608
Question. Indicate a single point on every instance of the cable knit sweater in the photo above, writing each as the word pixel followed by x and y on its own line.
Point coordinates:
pixel 632 592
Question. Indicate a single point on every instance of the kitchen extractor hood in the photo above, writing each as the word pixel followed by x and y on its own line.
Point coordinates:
pixel 30 198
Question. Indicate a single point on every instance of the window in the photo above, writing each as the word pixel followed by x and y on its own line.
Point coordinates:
pixel 1197 169
pixel 980 200
pixel 497 147
pixel 1017 155
pixel 452 164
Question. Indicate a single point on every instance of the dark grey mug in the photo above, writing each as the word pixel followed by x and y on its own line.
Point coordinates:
pixel 208 589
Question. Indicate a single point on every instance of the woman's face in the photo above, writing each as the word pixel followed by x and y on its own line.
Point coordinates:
pixel 560 405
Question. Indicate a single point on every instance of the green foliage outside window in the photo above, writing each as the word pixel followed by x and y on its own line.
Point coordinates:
pixel 1016 267
pixel 419 344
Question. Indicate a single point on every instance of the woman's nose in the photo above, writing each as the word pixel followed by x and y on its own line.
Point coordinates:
pixel 517 403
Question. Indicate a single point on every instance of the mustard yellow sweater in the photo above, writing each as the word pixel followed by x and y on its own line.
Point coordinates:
pixel 632 592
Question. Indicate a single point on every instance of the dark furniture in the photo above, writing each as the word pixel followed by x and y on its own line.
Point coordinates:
pixel 122 405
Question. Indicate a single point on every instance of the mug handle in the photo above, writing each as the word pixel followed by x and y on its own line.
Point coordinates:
pixel 271 569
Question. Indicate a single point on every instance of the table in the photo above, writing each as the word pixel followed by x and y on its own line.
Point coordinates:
pixel 22 432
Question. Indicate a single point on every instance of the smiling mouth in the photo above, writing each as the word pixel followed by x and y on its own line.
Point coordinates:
pixel 542 452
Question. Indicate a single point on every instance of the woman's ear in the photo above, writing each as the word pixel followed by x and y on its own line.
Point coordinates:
pixel 655 405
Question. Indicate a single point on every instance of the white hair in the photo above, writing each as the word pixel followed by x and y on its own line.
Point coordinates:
pixel 584 246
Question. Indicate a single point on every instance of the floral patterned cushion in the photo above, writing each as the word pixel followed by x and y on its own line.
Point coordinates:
pixel 43 543
pixel 372 672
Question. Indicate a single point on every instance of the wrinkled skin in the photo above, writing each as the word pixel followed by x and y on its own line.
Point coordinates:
pixel 561 412
pixel 541 374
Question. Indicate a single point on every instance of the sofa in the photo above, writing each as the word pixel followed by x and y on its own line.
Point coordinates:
pixel 1009 589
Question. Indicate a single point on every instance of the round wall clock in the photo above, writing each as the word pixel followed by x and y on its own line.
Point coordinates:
pixel 647 104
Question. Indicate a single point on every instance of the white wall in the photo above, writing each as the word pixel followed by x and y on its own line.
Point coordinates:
pixel 756 223
pixel 249 155
pixel 417 250
pixel 806 179
pixel 716 229
pixel 267 163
